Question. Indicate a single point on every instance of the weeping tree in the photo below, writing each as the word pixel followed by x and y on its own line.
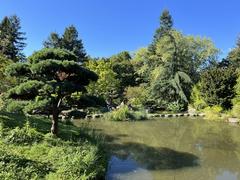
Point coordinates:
pixel 48 80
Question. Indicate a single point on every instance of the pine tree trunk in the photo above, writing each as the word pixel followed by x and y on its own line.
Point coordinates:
pixel 54 128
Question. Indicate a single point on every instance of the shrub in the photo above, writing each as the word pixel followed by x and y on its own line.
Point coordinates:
pixel 213 113
pixel 175 107
pixel 236 110
pixel 25 135
pixel 196 98
pixel 123 113
pixel 137 95
pixel 120 114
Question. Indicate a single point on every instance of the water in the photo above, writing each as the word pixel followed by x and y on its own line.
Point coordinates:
pixel 171 149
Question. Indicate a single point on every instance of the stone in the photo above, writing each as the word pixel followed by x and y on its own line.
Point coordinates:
pixel 233 120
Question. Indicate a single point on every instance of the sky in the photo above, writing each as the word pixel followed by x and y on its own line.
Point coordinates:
pixel 108 27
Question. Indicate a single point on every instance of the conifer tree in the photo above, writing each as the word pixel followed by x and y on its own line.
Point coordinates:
pixel 11 38
pixel 69 40
pixel 48 79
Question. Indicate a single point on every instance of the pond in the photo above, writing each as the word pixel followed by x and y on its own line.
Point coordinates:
pixel 171 149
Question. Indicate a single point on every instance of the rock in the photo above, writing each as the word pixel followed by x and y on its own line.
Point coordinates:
pixel 233 120
pixel 88 117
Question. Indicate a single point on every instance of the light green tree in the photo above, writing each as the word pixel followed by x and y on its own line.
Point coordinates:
pixel 107 84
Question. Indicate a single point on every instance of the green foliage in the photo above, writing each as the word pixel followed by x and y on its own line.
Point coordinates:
pixel 175 107
pixel 217 86
pixel 120 114
pixel 51 53
pixel 25 91
pixel 234 55
pixel 123 113
pixel 236 110
pixel 107 84
pixel 15 106
pixel 76 163
pixel 174 65
pixel 137 95
pixel 5 82
pixel 236 100
pixel 69 41
pixel 213 113
pixel 26 153
pixel 49 82
pixel 18 69
pixel 122 66
pixel 24 136
pixel 166 24
pixel 196 98
pixel 17 167
pixel 11 38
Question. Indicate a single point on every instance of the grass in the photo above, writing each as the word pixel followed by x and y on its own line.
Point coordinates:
pixel 28 151
pixel 123 114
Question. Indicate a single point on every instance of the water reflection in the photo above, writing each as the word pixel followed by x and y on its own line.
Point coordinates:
pixel 128 168
pixel 182 149
pixel 155 158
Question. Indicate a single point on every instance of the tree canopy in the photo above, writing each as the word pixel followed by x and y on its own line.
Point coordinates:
pixel 69 40
pixel 47 80
pixel 11 38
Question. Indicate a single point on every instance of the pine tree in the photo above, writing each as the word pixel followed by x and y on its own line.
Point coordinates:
pixel 48 80
pixel 166 24
pixel 69 40
pixel 11 38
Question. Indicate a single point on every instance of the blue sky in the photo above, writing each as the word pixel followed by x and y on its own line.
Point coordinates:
pixel 110 26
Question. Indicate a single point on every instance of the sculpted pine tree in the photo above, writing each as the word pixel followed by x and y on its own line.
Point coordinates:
pixel 48 78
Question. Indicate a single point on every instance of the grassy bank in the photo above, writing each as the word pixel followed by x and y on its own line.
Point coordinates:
pixel 28 151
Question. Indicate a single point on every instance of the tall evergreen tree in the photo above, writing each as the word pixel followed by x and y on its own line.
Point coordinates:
pixel 69 40
pixel 11 38
pixel 166 24
pixel 234 55
pixel 238 42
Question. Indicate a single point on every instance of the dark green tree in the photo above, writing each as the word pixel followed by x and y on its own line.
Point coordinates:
pixel 48 79
pixel 125 73
pixel 166 25
pixel 69 40
pixel 11 38
pixel 234 55
pixel 217 85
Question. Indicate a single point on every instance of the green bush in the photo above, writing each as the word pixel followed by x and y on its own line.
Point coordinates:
pixel 213 113
pixel 196 98
pixel 25 135
pixel 236 110
pixel 123 113
pixel 175 107
pixel 120 114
